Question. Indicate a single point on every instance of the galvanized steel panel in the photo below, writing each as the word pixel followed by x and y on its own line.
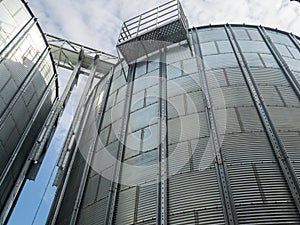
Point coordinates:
pixel 269 76
pixel 235 96
pixel 212 34
pixel 280 38
pixel 249 119
pixel 91 190
pixel 147 203
pixel 185 128
pixel 203 155
pixel 254 46
pixel 235 76
pixel 259 189
pixel 241 33
pixel 125 207
pixel 175 54
pixel 183 186
pixel 285 118
pixel 217 78
pixel 293 64
pixel 247 148
pixel 220 61
pixel 289 96
pixel 271 96
pixel 8 91
pixel 103 189
pixel 93 214
pixel 179 161
pixel 268 213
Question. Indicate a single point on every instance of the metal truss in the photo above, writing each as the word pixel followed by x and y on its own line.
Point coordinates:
pixel 81 60
pixel 65 54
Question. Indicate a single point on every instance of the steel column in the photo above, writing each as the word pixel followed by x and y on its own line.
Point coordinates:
pixel 281 62
pixel 57 111
pixel 295 41
pixel 110 212
pixel 220 165
pixel 78 113
pixel 77 120
pixel 162 209
pixel 90 157
pixel 277 146
pixel 52 220
pixel 60 194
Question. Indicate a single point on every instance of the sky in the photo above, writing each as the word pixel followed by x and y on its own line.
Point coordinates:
pixel 33 192
pixel 97 23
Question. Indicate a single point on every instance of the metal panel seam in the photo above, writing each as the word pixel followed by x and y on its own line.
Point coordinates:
pixel 272 134
pixel 162 209
pixel 22 176
pixel 224 184
pixel 110 212
pixel 282 63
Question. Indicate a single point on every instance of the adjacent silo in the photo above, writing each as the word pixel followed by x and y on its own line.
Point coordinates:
pixel 28 89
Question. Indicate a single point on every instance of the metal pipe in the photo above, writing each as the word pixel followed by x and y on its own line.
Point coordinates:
pixel 52 220
pixel 76 120
pixel 60 105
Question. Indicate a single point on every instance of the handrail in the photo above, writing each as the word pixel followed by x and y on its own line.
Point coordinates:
pixel 152 19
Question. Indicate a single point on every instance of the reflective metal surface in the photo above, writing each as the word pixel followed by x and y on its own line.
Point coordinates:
pixel 224 115
pixel 28 90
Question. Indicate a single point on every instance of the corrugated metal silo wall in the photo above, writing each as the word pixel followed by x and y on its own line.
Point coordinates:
pixel 27 89
pixel 256 184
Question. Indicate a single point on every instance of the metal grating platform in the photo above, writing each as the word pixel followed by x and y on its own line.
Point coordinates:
pixel 152 30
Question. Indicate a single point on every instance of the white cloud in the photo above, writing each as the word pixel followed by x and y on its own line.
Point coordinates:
pixel 97 23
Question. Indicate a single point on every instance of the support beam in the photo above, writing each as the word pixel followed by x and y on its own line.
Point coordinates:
pixel 65 54
pixel 57 111
pixel 77 120
pixel 113 194
pixel 162 209
pixel 281 62
pixel 220 165
pixel 67 166
pixel 78 114
pixel 277 146
pixel 58 202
